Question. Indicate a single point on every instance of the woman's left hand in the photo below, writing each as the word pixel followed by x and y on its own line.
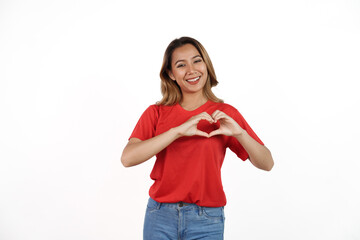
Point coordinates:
pixel 228 126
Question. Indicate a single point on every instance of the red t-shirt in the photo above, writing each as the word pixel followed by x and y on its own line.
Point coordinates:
pixel 189 169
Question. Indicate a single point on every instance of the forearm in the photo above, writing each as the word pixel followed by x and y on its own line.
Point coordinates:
pixel 139 152
pixel 259 155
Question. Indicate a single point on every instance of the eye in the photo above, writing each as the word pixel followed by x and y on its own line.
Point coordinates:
pixel 198 60
pixel 180 65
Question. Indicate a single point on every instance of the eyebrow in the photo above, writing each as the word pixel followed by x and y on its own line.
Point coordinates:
pixel 181 60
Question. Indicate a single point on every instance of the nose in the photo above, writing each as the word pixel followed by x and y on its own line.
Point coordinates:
pixel 191 69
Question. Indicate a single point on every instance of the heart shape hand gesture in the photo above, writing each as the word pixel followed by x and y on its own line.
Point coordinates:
pixel 228 126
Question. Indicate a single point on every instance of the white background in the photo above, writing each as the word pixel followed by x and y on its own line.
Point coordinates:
pixel 75 77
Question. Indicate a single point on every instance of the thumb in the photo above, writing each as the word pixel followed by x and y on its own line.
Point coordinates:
pixel 215 132
pixel 201 133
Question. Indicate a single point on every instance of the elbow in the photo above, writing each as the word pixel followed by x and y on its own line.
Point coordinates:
pixel 125 162
pixel 264 162
pixel 266 166
pixel 269 161
pixel 270 164
pixel 129 159
pixel 269 167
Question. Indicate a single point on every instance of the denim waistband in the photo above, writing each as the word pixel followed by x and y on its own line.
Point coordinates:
pixel 177 205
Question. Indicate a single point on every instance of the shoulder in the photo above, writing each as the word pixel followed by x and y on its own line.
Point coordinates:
pixel 158 109
pixel 152 108
pixel 151 111
pixel 164 108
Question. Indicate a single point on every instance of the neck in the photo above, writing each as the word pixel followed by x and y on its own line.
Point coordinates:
pixel 192 101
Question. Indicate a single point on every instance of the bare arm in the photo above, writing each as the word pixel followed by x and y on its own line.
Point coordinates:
pixel 137 151
pixel 259 155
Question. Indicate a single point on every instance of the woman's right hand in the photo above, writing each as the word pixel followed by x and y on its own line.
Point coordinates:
pixel 189 128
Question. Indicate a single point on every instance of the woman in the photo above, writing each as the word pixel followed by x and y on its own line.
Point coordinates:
pixel 189 131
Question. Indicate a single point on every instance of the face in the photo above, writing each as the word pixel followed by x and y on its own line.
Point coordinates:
pixel 188 69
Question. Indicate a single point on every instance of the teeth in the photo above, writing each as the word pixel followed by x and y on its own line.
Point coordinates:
pixel 193 80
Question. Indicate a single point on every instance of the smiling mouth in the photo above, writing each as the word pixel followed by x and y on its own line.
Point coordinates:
pixel 193 80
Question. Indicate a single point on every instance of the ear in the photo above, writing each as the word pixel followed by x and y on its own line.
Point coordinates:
pixel 171 75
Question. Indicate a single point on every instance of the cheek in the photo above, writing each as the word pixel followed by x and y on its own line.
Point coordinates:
pixel 180 75
pixel 203 69
pixel 205 74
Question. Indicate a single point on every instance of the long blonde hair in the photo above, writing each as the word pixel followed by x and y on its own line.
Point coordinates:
pixel 170 89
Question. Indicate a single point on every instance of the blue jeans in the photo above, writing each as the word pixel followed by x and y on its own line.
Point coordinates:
pixel 183 221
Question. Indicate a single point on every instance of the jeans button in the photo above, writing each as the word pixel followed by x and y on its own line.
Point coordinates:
pixel 181 204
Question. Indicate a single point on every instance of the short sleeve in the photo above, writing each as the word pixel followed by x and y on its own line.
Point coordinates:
pixel 233 143
pixel 146 126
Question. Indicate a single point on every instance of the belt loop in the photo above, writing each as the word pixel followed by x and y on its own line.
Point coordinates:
pixel 158 206
pixel 200 210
